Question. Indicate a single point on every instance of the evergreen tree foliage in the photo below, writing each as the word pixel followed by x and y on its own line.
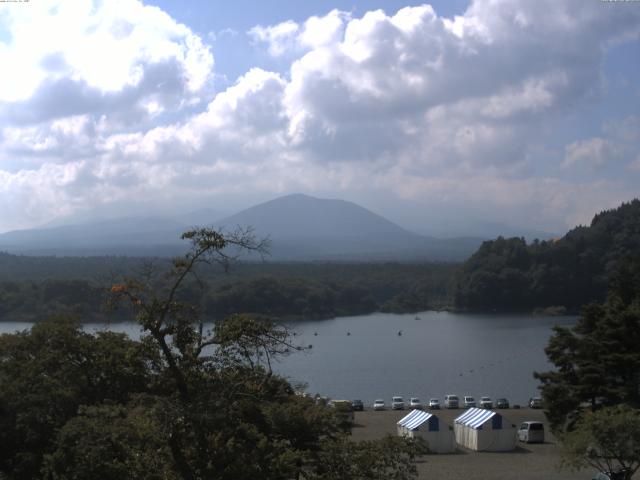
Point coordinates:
pixel 597 361
pixel 608 440
pixel 509 274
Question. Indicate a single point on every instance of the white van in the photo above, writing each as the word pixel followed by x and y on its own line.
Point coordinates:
pixel 531 432
pixel 451 401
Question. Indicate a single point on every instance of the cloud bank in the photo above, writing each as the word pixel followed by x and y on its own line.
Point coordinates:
pixel 118 109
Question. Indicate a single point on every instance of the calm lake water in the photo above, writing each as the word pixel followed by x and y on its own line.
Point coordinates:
pixel 437 353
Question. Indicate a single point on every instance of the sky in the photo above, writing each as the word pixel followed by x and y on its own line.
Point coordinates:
pixel 438 116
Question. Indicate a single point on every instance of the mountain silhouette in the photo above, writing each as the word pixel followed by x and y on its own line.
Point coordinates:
pixel 299 226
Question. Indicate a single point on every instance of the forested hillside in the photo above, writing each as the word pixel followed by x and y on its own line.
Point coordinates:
pixel 33 288
pixel 509 274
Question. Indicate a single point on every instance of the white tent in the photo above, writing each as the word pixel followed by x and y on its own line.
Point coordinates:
pixel 439 435
pixel 484 430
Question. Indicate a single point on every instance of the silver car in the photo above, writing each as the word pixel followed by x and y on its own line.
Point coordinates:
pixel 397 403
pixel 469 401
pixel 485 402
pixel 451 401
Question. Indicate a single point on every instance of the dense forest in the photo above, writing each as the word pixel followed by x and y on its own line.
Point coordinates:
pixel 509 274
pixel 32 288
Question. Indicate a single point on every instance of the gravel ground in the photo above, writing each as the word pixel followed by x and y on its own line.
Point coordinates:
pixel 526 462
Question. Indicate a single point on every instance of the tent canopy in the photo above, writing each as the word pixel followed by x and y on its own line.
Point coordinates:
pixel 476 417
pixel 414 419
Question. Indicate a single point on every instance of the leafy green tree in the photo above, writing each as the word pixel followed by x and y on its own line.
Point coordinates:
pixel 391 458
pixel 508 274
pixel 47 373
pixel 111 442
pixel 598 360
pixel 231 417
pixel 607 440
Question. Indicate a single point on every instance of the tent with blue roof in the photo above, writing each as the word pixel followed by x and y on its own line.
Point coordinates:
pixel 484 431
pixel 438 435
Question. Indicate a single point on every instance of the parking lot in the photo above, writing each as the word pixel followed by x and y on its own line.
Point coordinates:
pixel 526 462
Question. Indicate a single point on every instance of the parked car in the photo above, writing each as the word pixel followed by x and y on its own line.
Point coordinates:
pixel 358 406
pixel 502 403
pixel 485 402
pixel 378 404
pixel 531 432
pixel 434 404
pixel 469 401
pixel 397 403
pixel 535 402
pixel 451 401
pixel 415 403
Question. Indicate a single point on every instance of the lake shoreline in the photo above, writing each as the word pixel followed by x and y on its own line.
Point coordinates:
pixel 538 312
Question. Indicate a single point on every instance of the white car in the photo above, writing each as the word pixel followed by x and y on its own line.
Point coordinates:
pixel 397 403
pixel 378 404
pixel 434 404
pixel 485 402
pixel 531 432
pixel 451 401
pixel 469 401
pixel 415 403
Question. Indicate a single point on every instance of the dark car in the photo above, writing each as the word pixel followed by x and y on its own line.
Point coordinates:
pixel 358 406
pixel 502 403
pixel 535 402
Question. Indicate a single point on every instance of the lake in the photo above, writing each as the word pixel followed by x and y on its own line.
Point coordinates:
pixel 436 354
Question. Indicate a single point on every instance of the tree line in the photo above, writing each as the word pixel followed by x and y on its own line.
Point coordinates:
pixel 509 274
pixel 592 396
pixel 279 290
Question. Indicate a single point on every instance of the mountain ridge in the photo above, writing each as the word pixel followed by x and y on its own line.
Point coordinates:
pixel 301 228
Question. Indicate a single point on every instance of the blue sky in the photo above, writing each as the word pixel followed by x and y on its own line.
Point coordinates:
pixel 226 23
pixel 440 116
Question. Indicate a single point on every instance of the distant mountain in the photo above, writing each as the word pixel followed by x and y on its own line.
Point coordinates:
pixel 124 236
pixel 200 217
pixel 300 228
pixel 299 215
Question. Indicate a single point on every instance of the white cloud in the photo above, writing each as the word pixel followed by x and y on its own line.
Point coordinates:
pixel 292 38
pixel 592 153
pixel 279 38
pixel 618 143
pixel 98 53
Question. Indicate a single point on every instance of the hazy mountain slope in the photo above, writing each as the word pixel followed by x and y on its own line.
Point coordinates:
pixel 117 236
pixel 304 227
pixel 301 216
pixel 300 228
